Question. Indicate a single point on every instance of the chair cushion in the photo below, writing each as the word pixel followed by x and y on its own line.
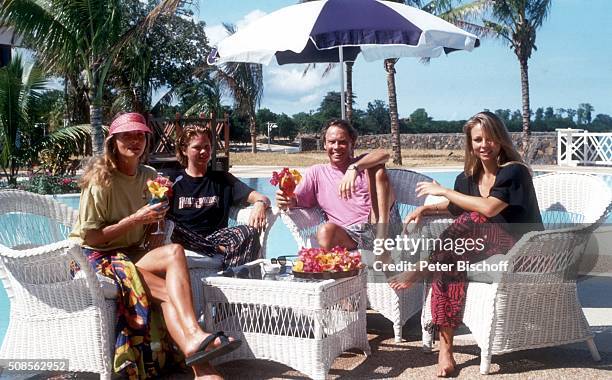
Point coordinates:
pixel 197 260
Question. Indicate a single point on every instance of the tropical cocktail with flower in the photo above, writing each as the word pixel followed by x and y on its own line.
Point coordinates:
pixel 287 180
pixel 160 189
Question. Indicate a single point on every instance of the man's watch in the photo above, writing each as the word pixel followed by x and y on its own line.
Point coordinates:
pixel 354 167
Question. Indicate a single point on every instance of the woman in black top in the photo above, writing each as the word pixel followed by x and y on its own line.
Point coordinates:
pixel 201 202
pixel 494 200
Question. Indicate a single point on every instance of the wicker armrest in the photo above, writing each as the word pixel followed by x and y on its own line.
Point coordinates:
pixel 45 277
pixel 303 224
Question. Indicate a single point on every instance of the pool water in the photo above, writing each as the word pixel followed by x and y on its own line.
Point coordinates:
pixel 280 241
pixel 283 242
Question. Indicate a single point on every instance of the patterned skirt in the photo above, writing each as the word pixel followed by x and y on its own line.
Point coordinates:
pixel 142 345
pixel 448 288
pixel 241 243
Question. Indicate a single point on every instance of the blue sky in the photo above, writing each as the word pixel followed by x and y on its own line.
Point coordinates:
pixel 573 64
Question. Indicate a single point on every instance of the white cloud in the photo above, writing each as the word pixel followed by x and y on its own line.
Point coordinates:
pixel 311 98
pixel 291 82
pixel 249 18
pixel 217 32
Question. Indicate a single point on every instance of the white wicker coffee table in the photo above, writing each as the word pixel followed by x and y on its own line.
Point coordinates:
pixel 302 324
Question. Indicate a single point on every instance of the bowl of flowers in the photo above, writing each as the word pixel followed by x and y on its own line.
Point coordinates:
pixel 318 263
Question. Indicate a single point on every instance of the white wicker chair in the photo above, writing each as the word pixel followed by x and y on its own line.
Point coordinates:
pixel 396 306
pixel 201 266
pixel 535 303
pixel 53 314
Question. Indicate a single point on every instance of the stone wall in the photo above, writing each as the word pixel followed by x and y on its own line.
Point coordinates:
pixel 309 144
pixel 542 150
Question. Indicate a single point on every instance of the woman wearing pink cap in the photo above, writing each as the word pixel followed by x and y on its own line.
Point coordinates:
pixel 113 215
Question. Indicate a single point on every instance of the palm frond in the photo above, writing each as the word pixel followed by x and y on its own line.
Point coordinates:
pixel 499 30
pixel 41 26
pixel 465 13
pixel 537 11
pixel 34 82
pixel 164 100
pixel 73 138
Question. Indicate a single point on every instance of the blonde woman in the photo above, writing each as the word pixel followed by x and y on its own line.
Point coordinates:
pixel 495 204
pixel 113 215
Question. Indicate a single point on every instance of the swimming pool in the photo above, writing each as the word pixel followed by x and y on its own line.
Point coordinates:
pixel 280 241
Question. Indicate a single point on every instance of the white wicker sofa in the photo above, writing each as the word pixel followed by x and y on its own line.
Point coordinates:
pixel 535 303
pixel 55 314
pixel 396 306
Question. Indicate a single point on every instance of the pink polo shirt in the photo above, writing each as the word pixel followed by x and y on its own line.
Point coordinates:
pixel 319 187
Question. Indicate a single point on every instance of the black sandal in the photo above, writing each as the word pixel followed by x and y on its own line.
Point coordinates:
pixel 201 355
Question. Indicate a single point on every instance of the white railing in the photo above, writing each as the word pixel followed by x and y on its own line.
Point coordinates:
pixel 577 146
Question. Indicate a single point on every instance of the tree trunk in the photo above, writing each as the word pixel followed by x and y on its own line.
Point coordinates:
pixel 526 112
pixel 349 91
pixel 395 130
pixel 95 120
pixel 253 130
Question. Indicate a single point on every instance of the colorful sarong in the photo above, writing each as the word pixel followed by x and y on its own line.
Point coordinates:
pixel 142 345
pixel 448 287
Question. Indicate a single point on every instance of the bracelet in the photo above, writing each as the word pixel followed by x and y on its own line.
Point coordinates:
pixel 266 204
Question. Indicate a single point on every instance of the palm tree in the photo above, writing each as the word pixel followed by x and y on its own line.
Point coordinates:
pixel 517 22
pixel 244 81
pixel 446 10
pixel 202 97
pixel 18 89
pixel 79 36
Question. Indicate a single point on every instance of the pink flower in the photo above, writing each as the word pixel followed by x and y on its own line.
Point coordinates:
pixel 335 260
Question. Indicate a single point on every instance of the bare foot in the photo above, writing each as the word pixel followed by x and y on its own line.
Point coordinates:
pixel 401 281
pixel 446 364
pixel 206 372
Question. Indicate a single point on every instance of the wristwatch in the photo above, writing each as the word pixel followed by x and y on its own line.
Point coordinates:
pixel 266 204
pixel 353 167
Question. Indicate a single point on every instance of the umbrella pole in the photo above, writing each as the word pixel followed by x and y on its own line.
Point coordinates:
pixel 342 100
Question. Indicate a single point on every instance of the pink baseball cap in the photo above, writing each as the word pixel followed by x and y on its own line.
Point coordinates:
pixel 129 122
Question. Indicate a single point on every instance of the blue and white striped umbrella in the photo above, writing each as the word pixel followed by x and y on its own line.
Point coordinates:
pixel 339 31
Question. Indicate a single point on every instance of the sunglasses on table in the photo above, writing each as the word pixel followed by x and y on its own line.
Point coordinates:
pixel 281 260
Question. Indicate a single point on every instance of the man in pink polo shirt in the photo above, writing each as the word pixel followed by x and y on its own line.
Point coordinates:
pixel 344 189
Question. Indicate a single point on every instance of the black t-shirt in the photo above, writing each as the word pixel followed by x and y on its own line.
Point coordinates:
pixel 202 204
pixel 514 186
